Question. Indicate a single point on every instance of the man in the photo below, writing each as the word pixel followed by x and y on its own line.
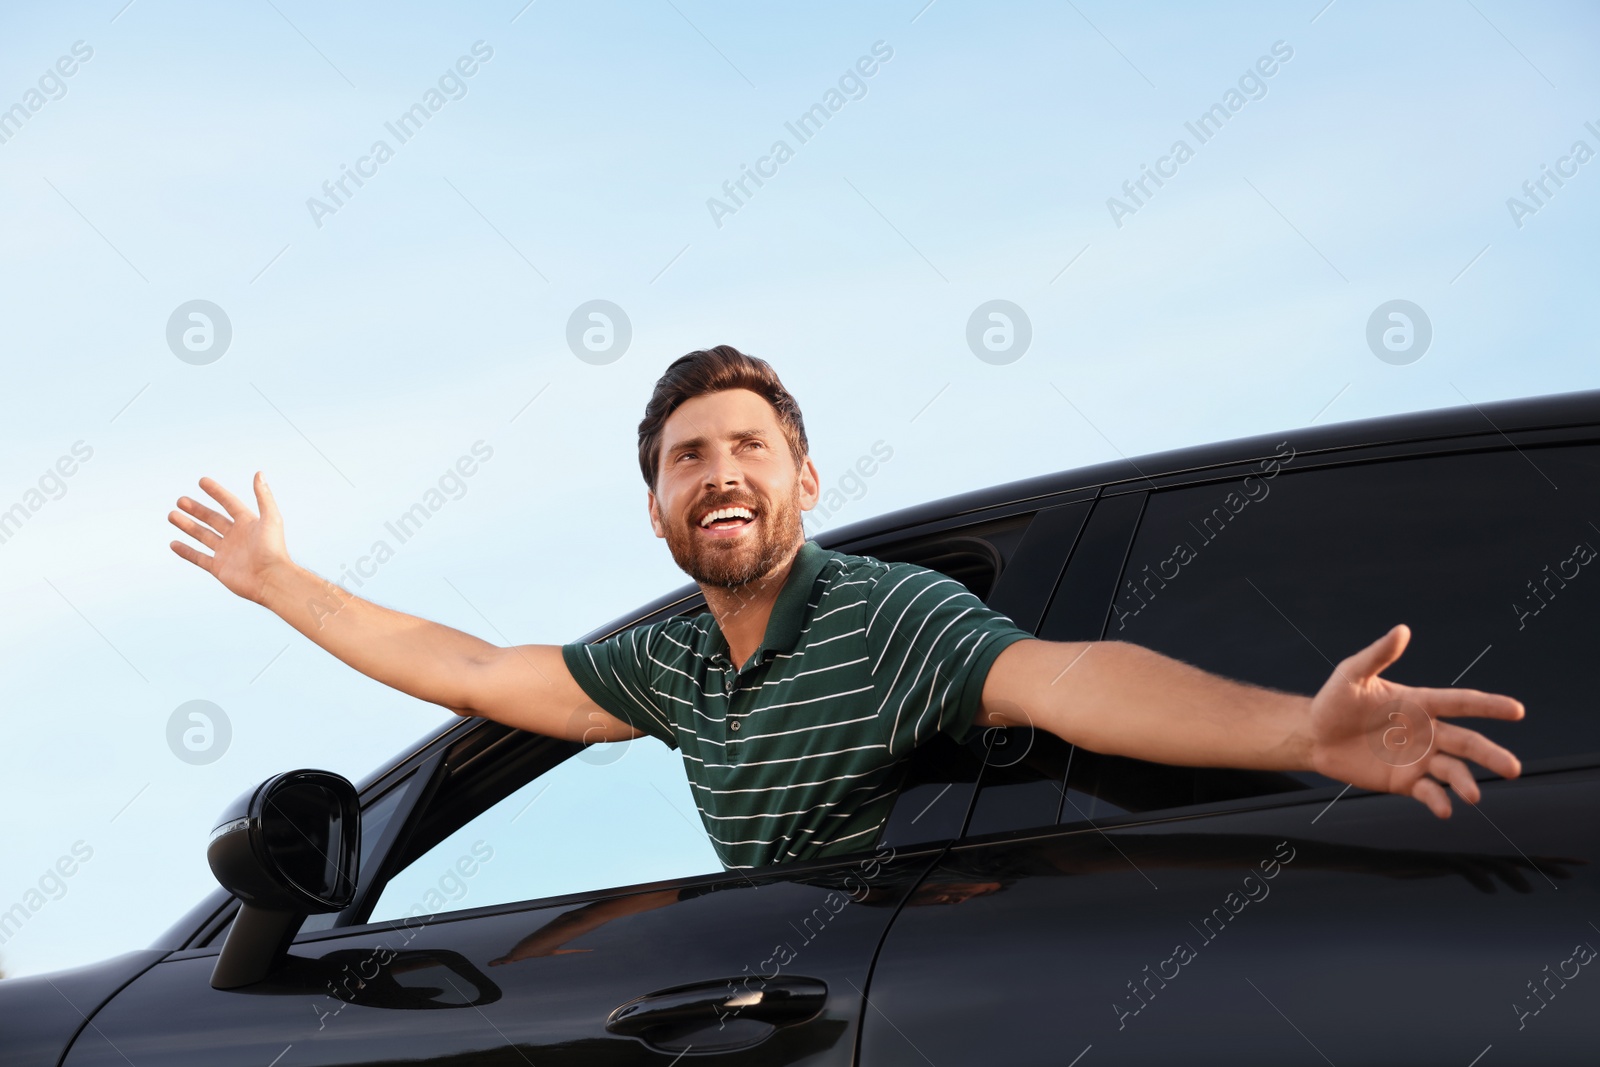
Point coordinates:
pixel 797 696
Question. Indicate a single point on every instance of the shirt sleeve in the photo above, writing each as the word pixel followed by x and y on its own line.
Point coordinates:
pixel 619 675
pixel 932 643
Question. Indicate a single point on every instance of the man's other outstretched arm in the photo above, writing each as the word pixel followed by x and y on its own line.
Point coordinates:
pixel 1121 699
pixel 525 686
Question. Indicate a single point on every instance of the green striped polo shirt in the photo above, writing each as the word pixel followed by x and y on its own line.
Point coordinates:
pixel 800 754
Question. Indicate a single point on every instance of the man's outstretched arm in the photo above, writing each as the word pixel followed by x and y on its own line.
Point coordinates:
pixel 525 686
pixel 1122 699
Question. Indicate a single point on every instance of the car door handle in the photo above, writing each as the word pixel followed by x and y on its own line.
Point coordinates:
pixel 718 1015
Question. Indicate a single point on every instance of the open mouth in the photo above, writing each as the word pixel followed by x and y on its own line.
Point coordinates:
pixel 727 520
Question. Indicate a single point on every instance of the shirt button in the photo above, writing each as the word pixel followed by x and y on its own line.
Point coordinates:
pixel 734 725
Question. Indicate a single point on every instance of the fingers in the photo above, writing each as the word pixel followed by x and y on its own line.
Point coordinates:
pixel 1432 794
pixel 1471 745
pixel 1378 655
pixel 1447 768
pixel 203 534
pixel 234 506
pixel 264 501
pixel 211 517
pixel 199 559
pixel 1468 702
pixel 1451 770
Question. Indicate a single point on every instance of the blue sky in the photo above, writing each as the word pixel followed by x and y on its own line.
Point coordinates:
pixel 374 346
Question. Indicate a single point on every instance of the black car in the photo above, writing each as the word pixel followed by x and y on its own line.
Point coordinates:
pixel 1029 902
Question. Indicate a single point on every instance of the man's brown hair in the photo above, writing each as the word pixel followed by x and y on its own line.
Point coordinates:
pixel 711 370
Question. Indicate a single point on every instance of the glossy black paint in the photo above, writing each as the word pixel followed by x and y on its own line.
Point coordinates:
pixel 1374 934
pixel 1382 935
pixel 473 987
pixel 42 1014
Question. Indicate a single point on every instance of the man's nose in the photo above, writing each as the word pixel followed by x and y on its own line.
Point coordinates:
pixel 723 471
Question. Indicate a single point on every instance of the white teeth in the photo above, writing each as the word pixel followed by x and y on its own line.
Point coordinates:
pixel 728 513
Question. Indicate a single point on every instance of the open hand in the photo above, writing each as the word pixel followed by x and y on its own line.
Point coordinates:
pixel 1379 735
pixel 245 548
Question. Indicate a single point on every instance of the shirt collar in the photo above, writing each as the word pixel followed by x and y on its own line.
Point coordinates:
pixel 788 610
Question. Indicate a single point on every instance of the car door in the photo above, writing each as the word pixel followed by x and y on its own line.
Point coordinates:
pixel 491 935
pixel 1129 912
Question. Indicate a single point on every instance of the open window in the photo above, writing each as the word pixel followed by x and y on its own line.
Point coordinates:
pixel 499 824
pixel 520 816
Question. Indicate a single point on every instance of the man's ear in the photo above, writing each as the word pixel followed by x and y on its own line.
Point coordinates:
pixel 655 513
pixel 810 485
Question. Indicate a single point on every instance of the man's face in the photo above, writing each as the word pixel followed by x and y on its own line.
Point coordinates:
pixel 727 450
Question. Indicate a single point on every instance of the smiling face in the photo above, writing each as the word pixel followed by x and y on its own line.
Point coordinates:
pixel 724 457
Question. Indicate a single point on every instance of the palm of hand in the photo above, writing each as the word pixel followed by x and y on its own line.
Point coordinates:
pixel 243 551
pixel 245 547
pixel 1386 737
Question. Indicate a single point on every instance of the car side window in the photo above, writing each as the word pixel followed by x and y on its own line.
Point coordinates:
pixel 526 817
pixel 1274 577
pixel 1489 557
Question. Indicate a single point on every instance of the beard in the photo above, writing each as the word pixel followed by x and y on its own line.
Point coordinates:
pixel 735 562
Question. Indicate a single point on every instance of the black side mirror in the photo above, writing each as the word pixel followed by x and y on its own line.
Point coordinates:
pixel 287 849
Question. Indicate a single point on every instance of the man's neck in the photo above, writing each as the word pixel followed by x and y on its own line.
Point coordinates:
pixel 742 612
